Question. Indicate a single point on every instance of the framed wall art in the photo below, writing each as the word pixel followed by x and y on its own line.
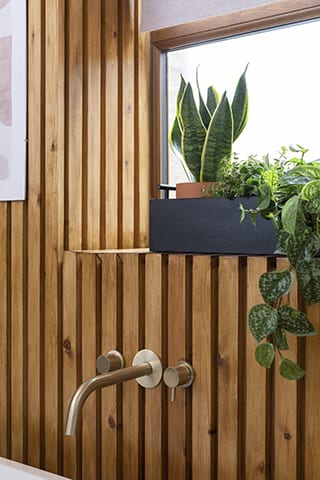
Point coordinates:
pixel 13 103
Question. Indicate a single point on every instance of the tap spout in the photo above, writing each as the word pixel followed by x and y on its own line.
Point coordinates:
pixel 100 381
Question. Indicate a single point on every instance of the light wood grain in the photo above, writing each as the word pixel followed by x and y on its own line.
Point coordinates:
pixel 71 315
pixel 202 348
pixel 128 122
pixel 92 119
pixel 111 98
pixel 286 406
pixel 35 207
pixel 311 459
pixel 228 418
pixel 75 120
pixel 89 355
pixel 54 203
pixel 111 339
pixel 155 407
pixel 177 331
pixel 132 328
pixel 17 334
pixel 256 385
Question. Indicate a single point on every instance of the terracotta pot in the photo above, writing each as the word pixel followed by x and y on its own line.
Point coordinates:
pixel 193 189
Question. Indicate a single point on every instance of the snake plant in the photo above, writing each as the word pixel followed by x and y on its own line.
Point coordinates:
pixel 202 135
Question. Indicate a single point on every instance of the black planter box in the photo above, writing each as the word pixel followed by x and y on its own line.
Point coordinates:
pixel 208 225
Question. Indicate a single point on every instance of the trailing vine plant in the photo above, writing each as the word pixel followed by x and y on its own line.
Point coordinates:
pixel 288 191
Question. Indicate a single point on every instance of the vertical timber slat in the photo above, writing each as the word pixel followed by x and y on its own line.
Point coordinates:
pixel 17 333
pixel 255 441
pixel 228 368
pixel 74 126
pixel 177 410
pixel 110 336
pixel 154 403
pixel 70 359
pixel 89 355
pixel 111 95
pixel 54 199
pixel 131 345
pixel 128 103
pixel 93 119
pixel 285 414
pixel 35 203
pixel 201 360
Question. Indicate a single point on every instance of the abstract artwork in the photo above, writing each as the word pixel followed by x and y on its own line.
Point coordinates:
pixel 12 99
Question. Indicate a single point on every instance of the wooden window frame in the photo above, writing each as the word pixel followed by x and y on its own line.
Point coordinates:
pixel 282 12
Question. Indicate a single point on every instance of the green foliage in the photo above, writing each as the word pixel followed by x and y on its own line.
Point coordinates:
pixel 290 370
pixel 288 191
pixel 202 135
pixel 263 320
pixel 274 285
pixel 265 354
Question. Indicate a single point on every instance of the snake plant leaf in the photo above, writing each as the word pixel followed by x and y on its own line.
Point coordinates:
pixel 290 214
pixel 290 370
pixel 280 339
pixel 193 133
pixel 175 134
pixel 203 110
pixel 308 274
pixel 276 284
pixel 265 354
pixel 301 246
pixel 262 321
pixel 217 147
pixel 311 190
pixel 295 321
pixel 240 105
pixel 175 137
pixel 212 99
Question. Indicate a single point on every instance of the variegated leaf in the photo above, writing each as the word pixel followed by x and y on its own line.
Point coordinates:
pixel 262 320
pixel 308 274
pixel 265 354
pixel 295 321
pixel 274 285
pixel 290 370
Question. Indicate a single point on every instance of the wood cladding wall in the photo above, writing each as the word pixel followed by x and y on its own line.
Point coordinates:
pixel 87 187
pixel 238 421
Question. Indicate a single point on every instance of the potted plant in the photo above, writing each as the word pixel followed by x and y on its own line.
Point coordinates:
pixel 288 192
pixel 289 196
pixel 202 135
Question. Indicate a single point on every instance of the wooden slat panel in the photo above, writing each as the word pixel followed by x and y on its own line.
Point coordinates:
pixel 177 331
pixel 4 292
pixel 255 453
pixel 131 345
pixel 202 348
pixel 128 103
pixel 285 411
pixel 75 113
pixel 89 354
pixel 312 396
pixel 111 96
pixel 17 333
pixel 228 368
pixel 110 340
pixel 155 408
pixel 70 357
pixel 54 181
pixel 35 203
pixel 93 122
pixel 142 122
